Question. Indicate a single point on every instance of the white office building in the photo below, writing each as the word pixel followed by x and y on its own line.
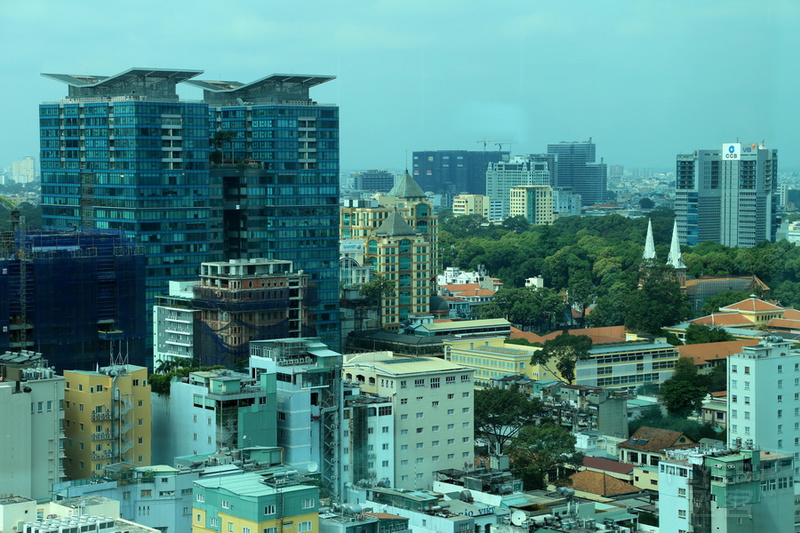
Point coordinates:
pixel 432 403
pixel 31 435
pixel 764 398
pixel 503 175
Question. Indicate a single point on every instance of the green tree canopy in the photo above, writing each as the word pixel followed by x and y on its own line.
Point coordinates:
pixel 723 299
pixel 567 350
pixel 538 452
pixel 501 413
pixel 659 303
pixel 700 334
pixel 684 392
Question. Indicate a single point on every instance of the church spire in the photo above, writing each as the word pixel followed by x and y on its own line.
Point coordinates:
pixel 649 245
pixel 675 260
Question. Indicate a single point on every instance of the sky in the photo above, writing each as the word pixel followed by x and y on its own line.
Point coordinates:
pixel 644 80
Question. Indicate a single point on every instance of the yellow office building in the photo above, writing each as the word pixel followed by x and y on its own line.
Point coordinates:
pixel 106 419
pixel 534 202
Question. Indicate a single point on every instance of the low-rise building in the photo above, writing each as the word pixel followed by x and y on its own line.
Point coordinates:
pixel 256 503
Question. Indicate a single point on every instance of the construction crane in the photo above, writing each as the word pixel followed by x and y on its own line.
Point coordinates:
pixel 499 144
pixel 18 227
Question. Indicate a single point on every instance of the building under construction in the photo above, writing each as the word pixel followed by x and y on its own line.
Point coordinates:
pixel 67 293
pixel 234 302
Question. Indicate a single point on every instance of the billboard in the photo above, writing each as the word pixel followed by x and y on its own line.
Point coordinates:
pixel 731 151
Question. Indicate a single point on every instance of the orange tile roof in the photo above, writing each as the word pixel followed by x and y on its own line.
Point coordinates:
pixel 598 335
pixel 791 314
pixel 753 304
pixel 720 394
pixel 601 484
pixel 703 353
pixel 723 319
pixel 783 323
pixel 609 465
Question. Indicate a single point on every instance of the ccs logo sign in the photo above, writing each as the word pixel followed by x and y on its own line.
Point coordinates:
pixel 731 151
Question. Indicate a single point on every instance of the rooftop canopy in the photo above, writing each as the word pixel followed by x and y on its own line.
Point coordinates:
pixel 134 82
pixel 275 88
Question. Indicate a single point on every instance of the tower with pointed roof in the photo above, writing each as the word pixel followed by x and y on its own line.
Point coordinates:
pixel 399 232
pixel 649 245
pixel 675 260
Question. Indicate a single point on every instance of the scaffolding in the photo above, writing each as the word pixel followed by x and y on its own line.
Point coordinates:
pixel 63 292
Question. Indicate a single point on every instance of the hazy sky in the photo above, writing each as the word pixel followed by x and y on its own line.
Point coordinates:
pixel 646 80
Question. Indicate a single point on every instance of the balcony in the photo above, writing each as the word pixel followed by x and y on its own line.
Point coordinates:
pixel 96 417
pixel 102 436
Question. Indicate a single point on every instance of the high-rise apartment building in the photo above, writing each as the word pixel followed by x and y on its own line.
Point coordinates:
pixel 533 202
pixel 728 196
pixel 503 175
pixel 123 152
pixel 106 419
pixel 275 176
pixel 433 413
pixel 374 180
pixel 24 171
pixel 400 232
pixel 471 204
pixel 576 168
pixel 32 437
pixel 452 172
pixel 764 398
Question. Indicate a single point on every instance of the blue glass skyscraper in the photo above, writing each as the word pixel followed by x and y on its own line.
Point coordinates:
pixel 252 171
pixel 276 168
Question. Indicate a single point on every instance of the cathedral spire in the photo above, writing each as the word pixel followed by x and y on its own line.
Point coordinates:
pixel 675 260
pixel 649 245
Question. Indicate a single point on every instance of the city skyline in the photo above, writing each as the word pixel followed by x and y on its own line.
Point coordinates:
pixel 645 82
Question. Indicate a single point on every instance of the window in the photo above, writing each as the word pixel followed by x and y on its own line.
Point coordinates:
pixel 270 530
pixel 451 441
pixel 451 396
pixel 465 394
pixel 403 401
pixel 225 504
pixel 269 509
pixel 419 415
pixel 451 426
pixel 681 513
pixel 419 445
pixel 146 493
pixel 419 382
pixel 230 526
pixel 309 502
pixel 403 384
pixel 434 428
pixel 435 383
pixel 434 404
pixel 419 430
pixel 464 439
pixel 404 417
pixel 435 443
pixel 385 429
pixel 418 460
pixel 450 456
pixel 682 493
pixel 245 529
pixel 200 497
pixel 465 409
pixel 304 527
pixel 451 411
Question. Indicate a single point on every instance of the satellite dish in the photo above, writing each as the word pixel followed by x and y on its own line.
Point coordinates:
pixel 312 467
pixel 518 518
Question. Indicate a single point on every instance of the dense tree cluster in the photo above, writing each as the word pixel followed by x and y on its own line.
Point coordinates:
pixel 585 260
pixel 501 413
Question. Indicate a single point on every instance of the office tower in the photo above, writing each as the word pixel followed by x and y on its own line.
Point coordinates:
pixel 503 175
pixel 122 152
pixel 533 202
pixel 32 437
pixel 728 196
pixel 214 411
pixel 275 175
pixel 433 401
pixel 66 293
pixel 255 503
pixel 764 398
pixel 23 171
pixel 576 168
pixel 566 203
pixel 232 303
pixel 729 491
pixel 471 204
pixel 374 181
pixel 309 402
pixel 106 419
pixel 400 233
pixel 452 172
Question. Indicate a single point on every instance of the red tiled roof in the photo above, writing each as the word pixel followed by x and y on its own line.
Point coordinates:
pixel 649 439
pixel 607 465
pixel 598 335
pixel 703 353
pixel 601 484
pixel 783 323
pixel 791 314
pixel 753 304
pixel 722 319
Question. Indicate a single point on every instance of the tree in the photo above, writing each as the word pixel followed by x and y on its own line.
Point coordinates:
pixel 683 393
pixel 700 334
pixel 218 140
pixel 538 452
pixel 567 350
pixel 375 291
pixel 527 307
pixel 581 293
pixel 659 303
pixel 646 203
pixel 501 413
